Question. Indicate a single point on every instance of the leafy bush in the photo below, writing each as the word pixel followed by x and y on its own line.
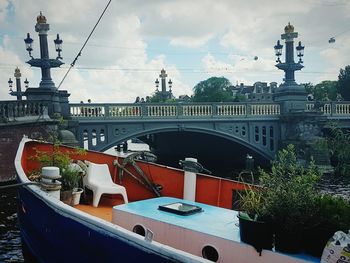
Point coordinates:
pixel 62 160
pixel 289 191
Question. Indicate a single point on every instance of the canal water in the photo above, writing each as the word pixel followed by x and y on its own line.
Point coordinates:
pixel 10 242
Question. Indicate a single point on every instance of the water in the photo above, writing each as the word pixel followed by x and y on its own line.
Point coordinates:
pixel 10 241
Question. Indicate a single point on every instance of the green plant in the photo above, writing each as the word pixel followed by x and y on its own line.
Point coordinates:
pixel 289 191
pixel 60 158
pixel 334 212
pixel 251 200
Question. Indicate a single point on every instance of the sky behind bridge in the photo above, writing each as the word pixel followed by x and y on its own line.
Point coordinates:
pixel 191 40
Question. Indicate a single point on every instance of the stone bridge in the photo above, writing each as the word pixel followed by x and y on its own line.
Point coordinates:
pixel 261 127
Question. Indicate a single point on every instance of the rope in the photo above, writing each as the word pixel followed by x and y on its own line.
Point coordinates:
pixel 79 53
pixel 19 184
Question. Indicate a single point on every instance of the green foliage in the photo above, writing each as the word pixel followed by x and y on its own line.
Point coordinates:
pixel 334 212
pixel 308 87
pixel 239 97
pixel 338 143
pixel 214 89
pixel 159 98
pixel 344 82
pixel 289 191
pixel 62 160
pixel 326 90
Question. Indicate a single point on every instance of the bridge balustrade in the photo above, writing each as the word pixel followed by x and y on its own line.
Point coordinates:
pixel 21 110
pixel 162 110
pixel 342 109
pixel 265 109
pixel 144 110
pixel 330 108
pixel 197 110
pixel 231 110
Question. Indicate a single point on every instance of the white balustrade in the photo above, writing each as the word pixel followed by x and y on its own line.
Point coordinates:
pixel 342 109
pixel 197 110
pixel 265 109
pixel 162 111
pixel 231 110
pixel 124 111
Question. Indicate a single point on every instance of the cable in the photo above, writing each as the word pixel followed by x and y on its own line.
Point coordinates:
pixel 79 54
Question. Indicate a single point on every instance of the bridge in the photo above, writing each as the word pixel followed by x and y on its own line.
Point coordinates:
pixel 262 127
pixel 254 125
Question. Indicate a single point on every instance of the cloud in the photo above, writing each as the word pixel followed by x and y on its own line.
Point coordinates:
pixel 117 65
pixel 191 42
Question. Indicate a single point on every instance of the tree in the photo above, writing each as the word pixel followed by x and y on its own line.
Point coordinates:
pixel 325 90
pixel 338 142
pixel 344 83
pixel 214 89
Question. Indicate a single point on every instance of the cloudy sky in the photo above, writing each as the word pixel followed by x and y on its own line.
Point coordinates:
pixel 192 40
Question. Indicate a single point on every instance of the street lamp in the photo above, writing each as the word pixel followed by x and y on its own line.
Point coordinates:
pixel 170 83
pixel 58 45
pixel 10 82
pixel 29 42
pixel 157 84
pixel 26 83
pixel 278 51
pixel 300 52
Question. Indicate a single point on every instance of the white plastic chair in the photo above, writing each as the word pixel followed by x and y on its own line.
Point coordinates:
pixel 99 180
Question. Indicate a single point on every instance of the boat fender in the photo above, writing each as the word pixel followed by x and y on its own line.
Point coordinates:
pixel 337 249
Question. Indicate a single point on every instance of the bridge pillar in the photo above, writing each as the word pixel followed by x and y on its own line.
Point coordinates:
pixel 290 95
pixel 304 130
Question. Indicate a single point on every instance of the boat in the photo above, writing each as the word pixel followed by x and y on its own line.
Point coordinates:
pixel 185 217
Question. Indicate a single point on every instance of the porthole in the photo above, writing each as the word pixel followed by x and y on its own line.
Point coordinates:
pixel 210 253
pixel 140 230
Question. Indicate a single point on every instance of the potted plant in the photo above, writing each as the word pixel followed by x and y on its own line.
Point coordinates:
pixel 290 199
pixel 333 215
pixel 253 224
pixel 71 175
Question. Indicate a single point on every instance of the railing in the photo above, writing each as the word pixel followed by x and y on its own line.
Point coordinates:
pixel 336 108
pixel 22 110
pixel 173 110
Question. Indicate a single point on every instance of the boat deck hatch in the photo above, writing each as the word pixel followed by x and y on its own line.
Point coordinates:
pixel 180 208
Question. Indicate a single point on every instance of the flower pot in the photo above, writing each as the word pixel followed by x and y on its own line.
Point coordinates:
pixel 76 195
pixel 315 238
pixel 66 197
pixel 256 233
pixel 287 241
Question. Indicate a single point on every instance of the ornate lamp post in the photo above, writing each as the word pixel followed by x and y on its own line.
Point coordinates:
pixel 44 62
pixel 46 90
pixel 18 93
pixel 164 93
pixel 290 93
pixel 289 66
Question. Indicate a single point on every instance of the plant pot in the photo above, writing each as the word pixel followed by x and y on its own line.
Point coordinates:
pixel 256 233
pixel 76 196
pixel 66 197
pixel 316 238
pixel 288 241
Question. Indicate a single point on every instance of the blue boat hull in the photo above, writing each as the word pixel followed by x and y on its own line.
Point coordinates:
pixel 49 235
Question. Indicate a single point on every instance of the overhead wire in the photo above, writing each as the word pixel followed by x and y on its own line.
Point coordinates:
pixel 79 53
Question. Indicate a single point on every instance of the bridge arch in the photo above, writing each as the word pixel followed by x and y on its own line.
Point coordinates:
pixel 256 148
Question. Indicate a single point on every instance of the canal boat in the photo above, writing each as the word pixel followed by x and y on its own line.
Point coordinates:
pixel 173 216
